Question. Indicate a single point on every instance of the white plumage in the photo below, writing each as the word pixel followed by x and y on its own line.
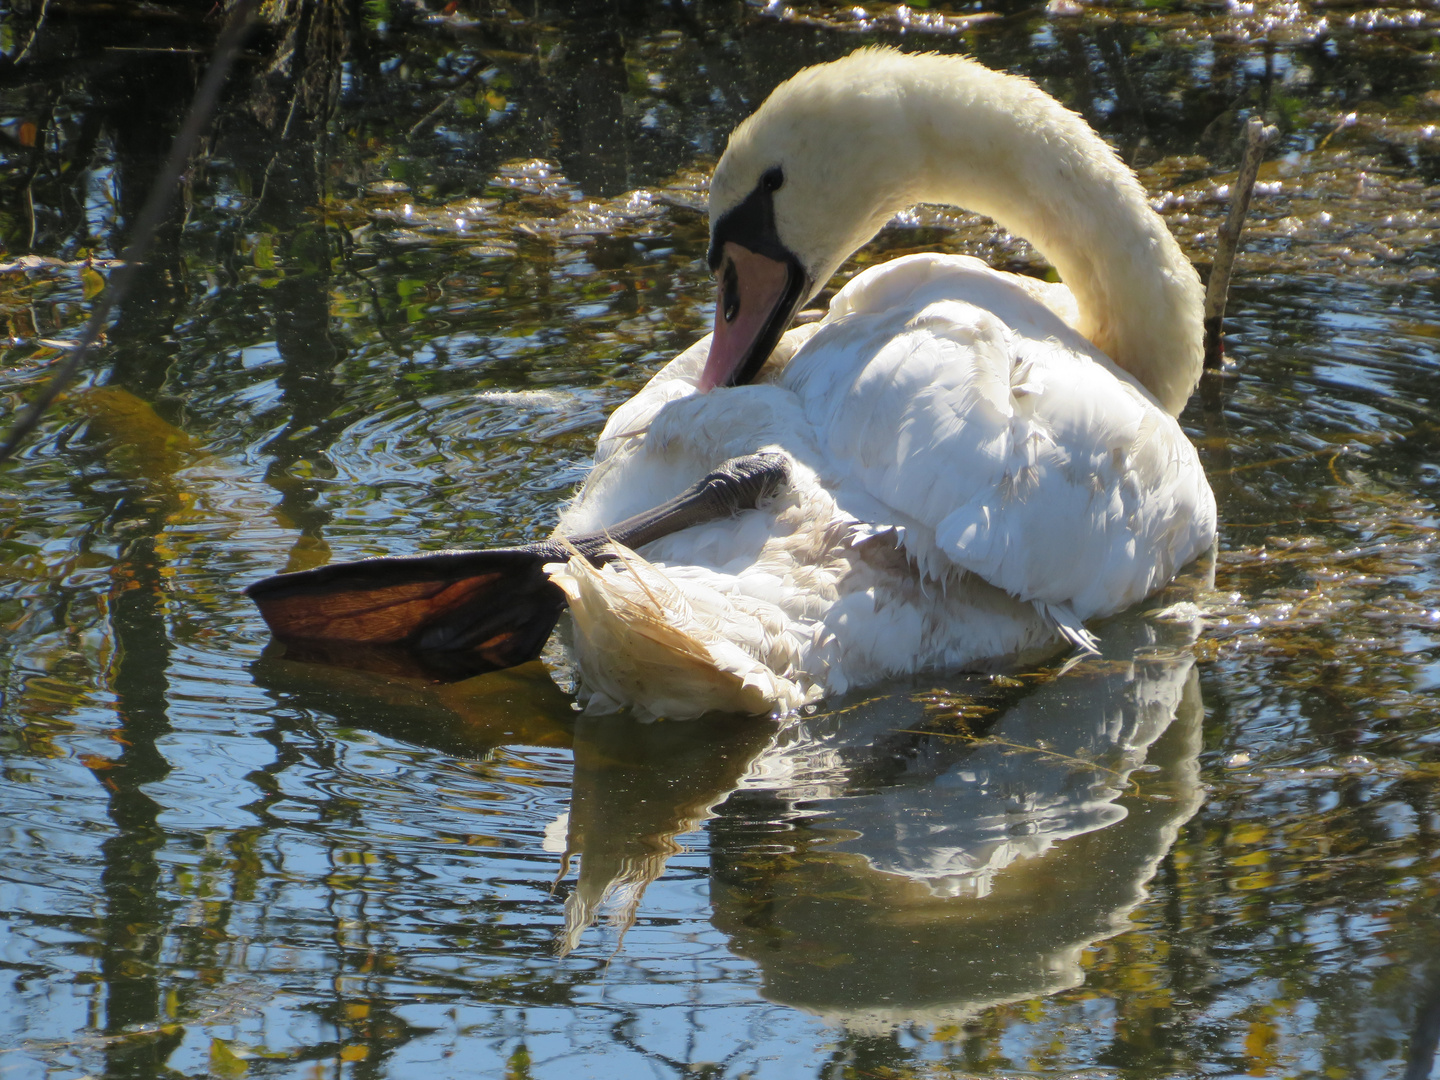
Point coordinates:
pixel 973 479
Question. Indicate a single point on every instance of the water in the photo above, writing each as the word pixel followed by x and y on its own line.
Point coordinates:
pixel 416 268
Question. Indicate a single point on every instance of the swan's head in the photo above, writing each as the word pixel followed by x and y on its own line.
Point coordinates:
pixel 803 183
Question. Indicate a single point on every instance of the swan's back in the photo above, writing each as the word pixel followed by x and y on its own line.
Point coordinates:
pixel 947 390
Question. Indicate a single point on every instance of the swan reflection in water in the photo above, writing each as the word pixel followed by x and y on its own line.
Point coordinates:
pixel 884 861
pixel 880 865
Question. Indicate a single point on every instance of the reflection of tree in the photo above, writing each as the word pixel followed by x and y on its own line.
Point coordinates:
pixel 141 109
pixel 136 919
pixel 366 911
pixel 1425 1032
pixel 281 131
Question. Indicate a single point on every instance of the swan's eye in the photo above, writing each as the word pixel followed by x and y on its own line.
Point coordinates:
pixel 730 293
pixel 772 179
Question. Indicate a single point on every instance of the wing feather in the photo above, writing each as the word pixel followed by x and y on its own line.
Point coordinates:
pixel 965 405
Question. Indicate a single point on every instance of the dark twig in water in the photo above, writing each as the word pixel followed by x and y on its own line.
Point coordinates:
pixel 1258 138
pixel 152 214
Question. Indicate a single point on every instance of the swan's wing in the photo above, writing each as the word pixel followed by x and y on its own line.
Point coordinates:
pixel 969 408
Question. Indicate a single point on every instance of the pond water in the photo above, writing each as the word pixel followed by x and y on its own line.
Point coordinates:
pixel 418 261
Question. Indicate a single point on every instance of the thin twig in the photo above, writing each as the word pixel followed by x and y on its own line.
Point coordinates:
pixel 259 199
pixel 433 116
pixel 39 23
pixel 1258 138
pixel 152 214
pixel 42 130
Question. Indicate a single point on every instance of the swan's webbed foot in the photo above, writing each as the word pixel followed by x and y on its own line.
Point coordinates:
pixel 463 613
pixel 484 610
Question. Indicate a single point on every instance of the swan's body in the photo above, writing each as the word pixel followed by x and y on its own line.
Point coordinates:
pixel 982 461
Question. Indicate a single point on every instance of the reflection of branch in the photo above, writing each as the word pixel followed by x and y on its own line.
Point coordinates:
pixel 430 118
pixel 852 707
pixel 236 1000
pixel 1258 138
pixel 1308 455
pixel 275 157
pixel 39 23
pixel 152 214
pixel 347 260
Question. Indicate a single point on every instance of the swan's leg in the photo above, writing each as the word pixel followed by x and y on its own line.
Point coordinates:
pixel 737 485
pixel 496 607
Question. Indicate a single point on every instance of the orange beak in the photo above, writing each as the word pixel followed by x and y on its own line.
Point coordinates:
pixel 758 297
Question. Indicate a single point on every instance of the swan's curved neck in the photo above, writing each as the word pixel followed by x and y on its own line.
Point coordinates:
pixel 1002 148
pixel 867 136
pixel 850 143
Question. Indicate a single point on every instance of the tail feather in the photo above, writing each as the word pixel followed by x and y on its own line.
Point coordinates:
pixel 1067 624
pixel 672 647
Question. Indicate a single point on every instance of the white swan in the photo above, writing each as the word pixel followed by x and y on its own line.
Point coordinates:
pixel 982 462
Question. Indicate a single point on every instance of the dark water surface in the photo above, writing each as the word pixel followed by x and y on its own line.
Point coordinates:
pixel 416 265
